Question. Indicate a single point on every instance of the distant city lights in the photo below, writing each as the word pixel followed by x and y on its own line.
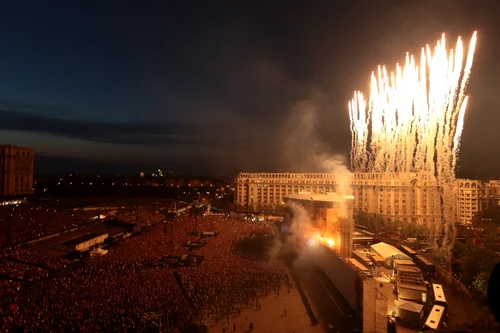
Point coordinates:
pixel 12 202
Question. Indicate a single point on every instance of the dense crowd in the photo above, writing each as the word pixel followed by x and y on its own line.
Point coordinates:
pixel 100 297
pixel 30 221
pixel 127 290
pixel 142 216
pixel 24 265
pixel 225 280
pixel 47 262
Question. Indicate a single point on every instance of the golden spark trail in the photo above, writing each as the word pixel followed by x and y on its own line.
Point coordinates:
pixel 414 118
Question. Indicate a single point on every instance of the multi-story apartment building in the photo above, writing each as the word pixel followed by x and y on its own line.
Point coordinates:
pixel 405 196
pixel 259 191
pixel 474 196
pixel 16 170
pixel 492 192
pixel 411 197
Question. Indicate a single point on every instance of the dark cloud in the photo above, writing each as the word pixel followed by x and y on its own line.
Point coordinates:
pixel 48 165
pixel 259 86
pixel 146 133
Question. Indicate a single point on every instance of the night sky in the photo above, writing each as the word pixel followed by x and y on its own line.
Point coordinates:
pixel 216 87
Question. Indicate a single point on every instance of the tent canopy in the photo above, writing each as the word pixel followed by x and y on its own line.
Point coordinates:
pixel 387 251
pixel 98 252
pixel 410 306
pixel 411 294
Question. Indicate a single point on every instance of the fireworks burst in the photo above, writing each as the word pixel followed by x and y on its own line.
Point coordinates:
pixel 414 114
pixel 414 118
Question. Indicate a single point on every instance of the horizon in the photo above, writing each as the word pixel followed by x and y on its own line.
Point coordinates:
pixel 87 167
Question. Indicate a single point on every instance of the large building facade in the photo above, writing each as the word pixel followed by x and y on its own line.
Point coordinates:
pixel 405 196
pixel 16 170
pixel 410 197
pixel 474 196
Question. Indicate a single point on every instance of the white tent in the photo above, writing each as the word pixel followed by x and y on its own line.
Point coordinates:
pixel 388 253
pixel 410 313
pixel 410 306
pixel 411 292
pixel 98 252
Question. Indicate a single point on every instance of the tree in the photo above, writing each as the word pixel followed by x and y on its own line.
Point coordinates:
pixel 268 209
pixel 407 230
pixel 361 218
pixel 459 250
pixel 249 208
pixel 490 242
pixel 476 259
pixel 422 231
pixel 280 210
pixel 465 231
pixel 489 259
pixel 258 209
pixel 487 220
pixel 375 223
pixel 481 282
pixel 390 226
pixel 383 224
pixel 238 207
pixel 379 223
pixel 470 263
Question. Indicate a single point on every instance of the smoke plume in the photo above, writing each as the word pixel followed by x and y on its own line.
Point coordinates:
pixel 304 151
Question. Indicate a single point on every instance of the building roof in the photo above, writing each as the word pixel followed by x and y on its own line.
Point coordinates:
pixel 15 147
pixel 434 317
pixel 357 264
pixel 404 262
pixel 406 292
pixel 418 287
pixel 81 239
pixel 408 270
pixel 362 238
pixel 414 281
pixel 410 306
pixel 328 197
pixel 387 251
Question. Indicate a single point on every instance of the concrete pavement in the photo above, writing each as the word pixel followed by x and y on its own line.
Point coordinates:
pixel 271 317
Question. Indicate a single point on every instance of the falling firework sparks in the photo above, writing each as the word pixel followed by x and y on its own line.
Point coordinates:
pixel 414 119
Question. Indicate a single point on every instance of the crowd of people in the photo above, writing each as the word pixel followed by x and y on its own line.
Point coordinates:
pixel 21 271
pixel 24 265
pixel 33 257
pixel 126 290
pixel 30 221
pixel 142 216
pixel 216 286
pixel 101 296
pixel 106 294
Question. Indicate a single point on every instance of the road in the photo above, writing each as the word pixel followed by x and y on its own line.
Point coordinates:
pixel 461 308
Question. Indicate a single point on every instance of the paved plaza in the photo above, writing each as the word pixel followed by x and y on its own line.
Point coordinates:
pixel 271 317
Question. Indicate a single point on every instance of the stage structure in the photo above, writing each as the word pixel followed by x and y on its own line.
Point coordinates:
pixel 329 215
